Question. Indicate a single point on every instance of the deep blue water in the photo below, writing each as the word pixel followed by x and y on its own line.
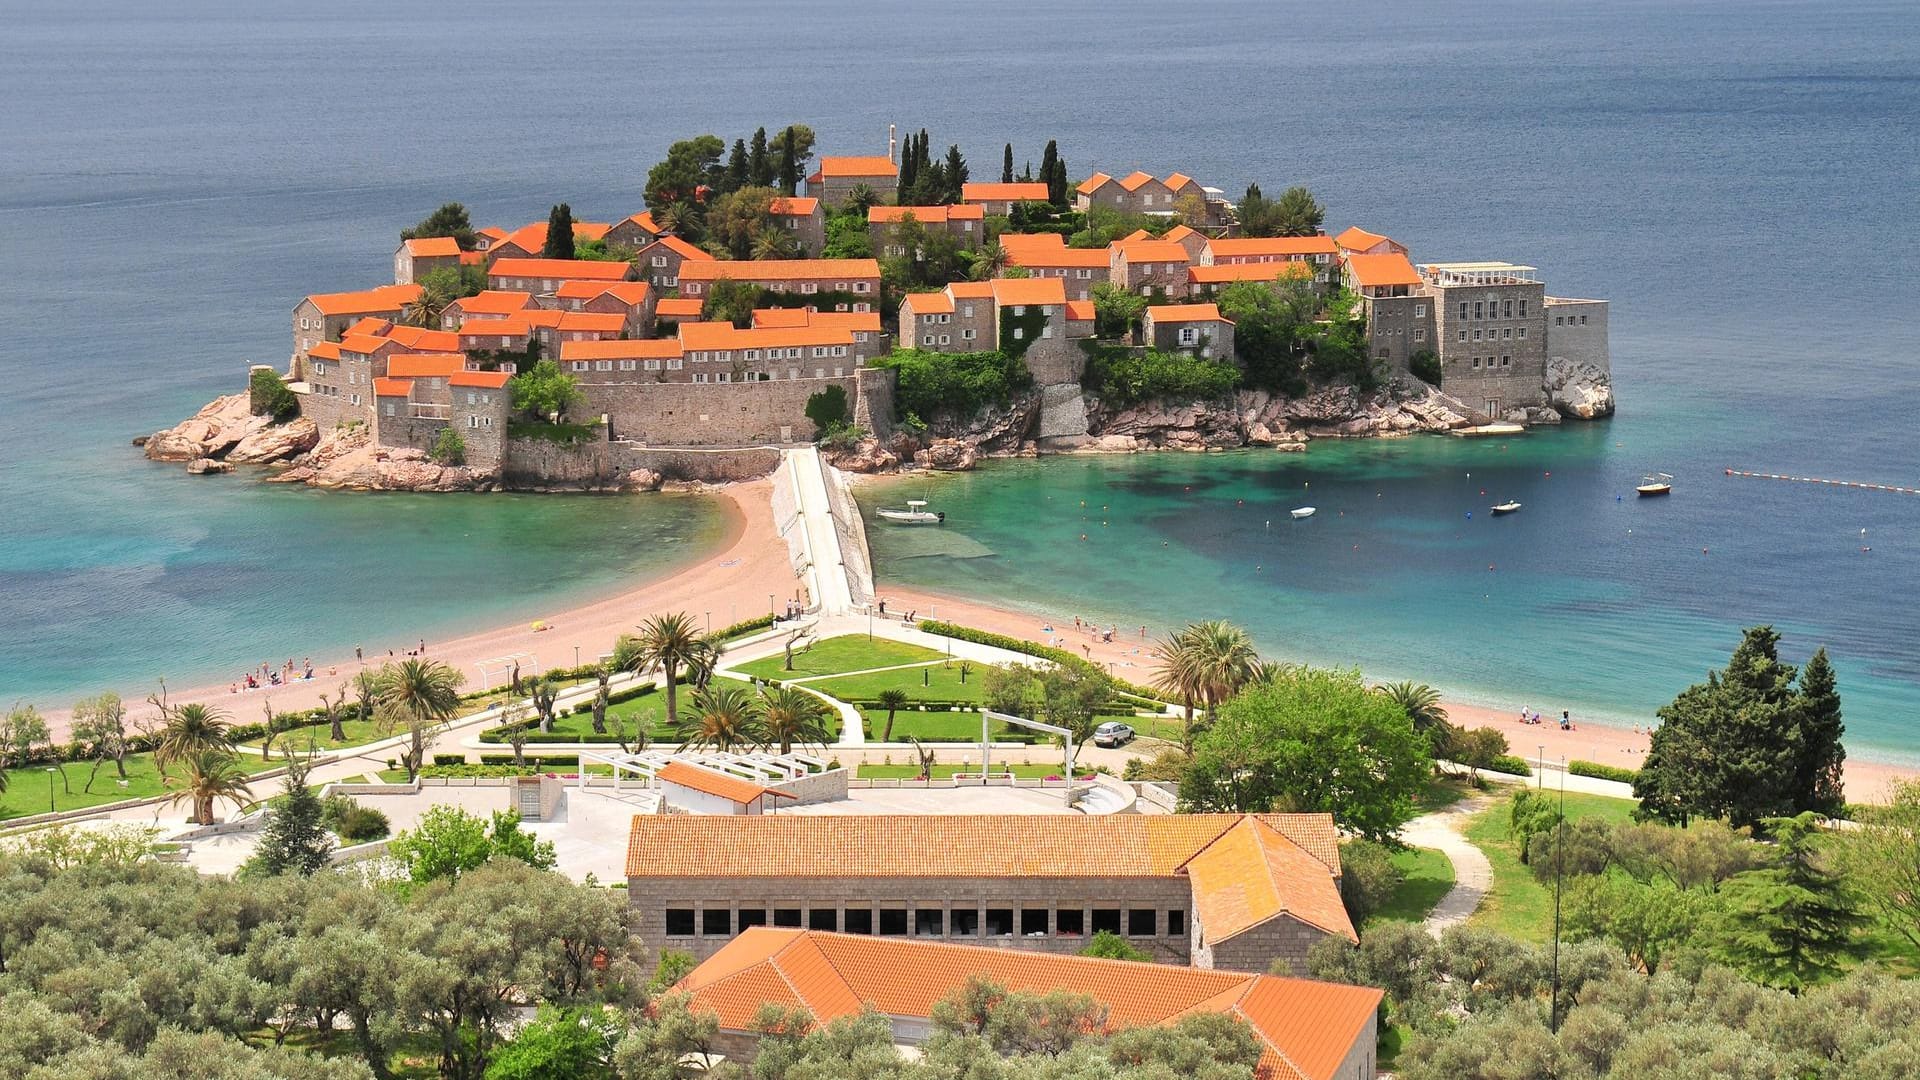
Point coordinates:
pixel 1735 177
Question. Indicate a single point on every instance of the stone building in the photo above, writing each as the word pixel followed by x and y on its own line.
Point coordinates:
pixel 1305 1030
pixel 804 220
pixel 1577 332
pixel 660 261
pixel 325 316
pixel 1047 255
pixel 492 304
pixel 541 276
pixel 998 198
pixel 966 224
pixel 1211 281
pixel 1320 252
pixel 634 232
pixel 414 259
pixel 1398 311
pixel 836 178
pixel 855 282
pixel 1136 193
pixel 1358 241
pixel 1231 891
pixel 957 319
pixel 1490 326
pixel 1191 328
pixel 1149 267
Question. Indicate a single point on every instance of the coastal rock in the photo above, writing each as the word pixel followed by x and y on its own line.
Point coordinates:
pixel 209 433
pixel 276 443
pixel 207 466
pixel 952 455
pixel 1580 390
pixel 641 480
pixel 867 456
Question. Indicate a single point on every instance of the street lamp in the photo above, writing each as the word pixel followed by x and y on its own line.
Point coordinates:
pixel 576 656
pixel 50 772
pixel 770 606
pixel 709 622
pixel 1540 768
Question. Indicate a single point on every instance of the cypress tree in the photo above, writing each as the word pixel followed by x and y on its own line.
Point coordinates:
pixel 955 173
pixel 1052 172
pixel 738 173
pixel 789 165
pixel 759 165
pixel 1817 785
pixel 908 171
pixel 559 243
pixel 1006 165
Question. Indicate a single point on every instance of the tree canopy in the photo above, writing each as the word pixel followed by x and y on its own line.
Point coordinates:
pixel 450 220
pixel 544 391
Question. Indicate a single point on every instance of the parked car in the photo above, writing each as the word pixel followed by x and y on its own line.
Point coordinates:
pixel 1113 733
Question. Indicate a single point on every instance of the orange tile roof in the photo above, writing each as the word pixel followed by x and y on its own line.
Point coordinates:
pixel 632 293
pixel 1306 1029
pixel 929 303
pixel 1079 311
pixel 1120 845
pixel 1359 239
pixel 1382 270
pixel 493 379
pixel 1014 243
pixel 1253 271
pixel 1135 180
pixel 1056 256
pixel 632 349
pixel 1093 183
pixel 1044 291
pixel 996 192
pixel 568 269
pixel 1176 181
pixel 592 230
pixel 1252 874
pixel 473 258
pixel 971 290
pixel 1273 245
pixel 390 387
pixel 681 248
pixel 370 302
pixel 794 206
pixel 365 344
pixel 781 269
pixel 494 233
pixel 765 318
pixel 644 219
pixel 723 335
pixel 533 235
pixel 856 167
pixel 605 322
pixel 371 326
pixel 1179 233
pixel 325 350
pixel 425 365
pixel 516 324
pixel 420 339
pixel 433 247
pixel 1179 313
pixel 679 307
pixel 1151 251
pixel 925 215
pixel 495 302
pixel 711 782
pixel 1138 234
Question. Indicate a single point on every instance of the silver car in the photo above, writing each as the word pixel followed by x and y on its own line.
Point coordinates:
pixel 1112 733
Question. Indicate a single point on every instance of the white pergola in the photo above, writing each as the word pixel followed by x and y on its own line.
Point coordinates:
pixel 504 665
pixel 644 765
pixel 988 716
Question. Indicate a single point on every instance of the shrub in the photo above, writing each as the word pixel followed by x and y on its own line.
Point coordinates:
pixel 474 772
pixel 1425 365
pixel 1108 945
pixel 1044 652
pixel 1602 772
pixel 1509 763
pixel 449 759
pixel 267 395
pixel 827 409
pixel 742 629
pixel 353 823
pixel 1125 377
pixel 1367 878
pixel 448 448
pixel 953 384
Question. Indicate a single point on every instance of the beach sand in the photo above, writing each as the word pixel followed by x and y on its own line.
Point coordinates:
pixel 1130 654
pixel 732 585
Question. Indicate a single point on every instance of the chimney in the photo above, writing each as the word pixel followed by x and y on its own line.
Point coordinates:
pixel 892 142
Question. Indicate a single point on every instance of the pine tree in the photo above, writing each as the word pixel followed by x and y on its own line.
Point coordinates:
pixel 559 243
pixel 1790 925
pixel 954 174
pixel 759 165
pixel 1006 165
pixel 294 840
pixel 1817 782
pixel 738 172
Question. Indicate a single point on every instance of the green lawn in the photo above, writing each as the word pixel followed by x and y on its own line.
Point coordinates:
pixel 358 733
pixel 1518 905
pixel 1429 874
pixel 944 772
pixel 853 652
pixel 27 788
pixel 933 682
pixel 647 712
pixel 1441 792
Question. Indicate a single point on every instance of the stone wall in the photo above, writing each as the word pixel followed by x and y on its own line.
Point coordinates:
pixel 540 463
pixel 873 403
pixel 1577 332
pixel 712 414
pixel 1506 330
pixel 1398 327
pixel 410 431
pixel 829 786
pixel 1282 937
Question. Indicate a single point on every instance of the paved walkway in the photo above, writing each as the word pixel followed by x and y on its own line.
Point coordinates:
pixel 1472 873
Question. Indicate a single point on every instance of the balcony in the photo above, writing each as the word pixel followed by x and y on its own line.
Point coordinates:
pixel 425 411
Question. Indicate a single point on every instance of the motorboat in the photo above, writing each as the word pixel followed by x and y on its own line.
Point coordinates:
pixel 1655 484
pixel 1507 507
pixel 916 513
pixel 1302 512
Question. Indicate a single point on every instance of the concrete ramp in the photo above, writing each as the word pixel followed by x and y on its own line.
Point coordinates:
pixel 812 537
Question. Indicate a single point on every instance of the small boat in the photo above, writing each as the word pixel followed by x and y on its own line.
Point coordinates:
pixel 1507 507
pixel 1302 512
pixel 1655 484
pixel 916 513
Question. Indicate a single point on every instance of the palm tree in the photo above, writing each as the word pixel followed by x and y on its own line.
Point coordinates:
pixel 213 776
pixel 1420 702
pixel 724 718
pixel 670 644
pixel 893 701
pixel 422 694
pixel 1206 662
pixel 772 243
pixel 861 198
pixel 791 715
pixel 987 261
pixel 191 729
pixel 426 308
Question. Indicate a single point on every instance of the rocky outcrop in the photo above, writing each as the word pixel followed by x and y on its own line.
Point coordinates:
pixel 949 455
pixel 347 458
pixel 867 456
pixel 210 433
pixel 207 466
pixel 277 442
pixel 1257 418
pixel 1579 390
pixel 641 480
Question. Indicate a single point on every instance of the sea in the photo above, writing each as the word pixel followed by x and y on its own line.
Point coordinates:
pixel 1736 177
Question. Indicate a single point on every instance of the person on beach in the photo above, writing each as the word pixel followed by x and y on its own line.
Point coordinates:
pixel 1566 721
pixel 883 605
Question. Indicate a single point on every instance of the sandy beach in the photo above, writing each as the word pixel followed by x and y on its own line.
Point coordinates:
pixel 1130 654
pixel 731 585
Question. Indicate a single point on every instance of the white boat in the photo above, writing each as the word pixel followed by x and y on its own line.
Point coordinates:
pixel 916 513
pixel 1303 512
pixel 1655 484
pixel 1506 507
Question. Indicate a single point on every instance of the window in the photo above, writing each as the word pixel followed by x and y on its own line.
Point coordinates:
pixel 966 335
pixel 946 339
pixel 751 354
pixel 1140 922
pixel 1523 309
pixel 1476 362
pixel 1107 919
pixel 390 410
pixel 1419 311
pixel 826 919
pixel 673 365
pixel 839 350
pixel 946 318
pixel 1507 333
pixel 1046 331
pixel 603 365
pixel 819 351
pixel 927 319
pixel 751 917
pixel 1506 361
pixel 809 287
pixel 1559 320
pixel 725 376
pixel 1509 309
pixel 630 365
pixel 1463 309
pixel 999 922
pixel 1019 332
pixel 1479 310
pixel 716 922
pixel 1070 922
pixel 679 922
pixel 893 922
pixel 966 922
pixel 966 311
pixel 929 922
pixel 859 920
pixel 1463 334
pixel 659 260
pixel 1476 334
pixel 786 916
pixel 1033 922
pixel 1176 922
pixel 1583 320
pixel 1189 335
pixel 653 365
pixel 1083 274
pixel 1419 335
pixel 1523 333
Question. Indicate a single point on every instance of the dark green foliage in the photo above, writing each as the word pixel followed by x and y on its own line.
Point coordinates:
pixel 792 149
pixel 1116 312
pixel 455 282
pixel 1511 764
pixel 1367 878
pixel 559 1044
pixel 739 172
pixel 448 448
pixel 1602 772
pixel 1746 744
pixel 956 385
pixel 1294 213
pixel 1053 172
pixel 933 258
pixel 789 170
pixel 1019 331
pixel 544 391
pixel 759 165
pixel 1124 377
pixel 690 163
pixel 559 243
pixel 295 840
pixel 1006 165
pixel 450 220
pixel 351 822
pixel 1425 365
pixel 827 409
pixel 954 174
pixel 267 395
pixel 1108 945
pixel 847 235
pixel 1791 923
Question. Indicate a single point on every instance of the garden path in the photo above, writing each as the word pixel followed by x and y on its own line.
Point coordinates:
pixel 1472 873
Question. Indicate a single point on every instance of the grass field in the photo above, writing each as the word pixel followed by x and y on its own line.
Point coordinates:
pixel 834 656
pixel 1429 874
pixel 27 788
pixel 1517 904
pixel 358 733
pixel 945 772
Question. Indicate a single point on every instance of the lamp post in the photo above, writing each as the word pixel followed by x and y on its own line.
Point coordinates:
pixel 770 605
pixel 709 622
pixel 50 772
pixel 1540 768
pixel 576 656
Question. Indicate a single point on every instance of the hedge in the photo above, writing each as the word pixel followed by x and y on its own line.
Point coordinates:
pixel 572 762
pixel 1044 652
pixel 1602 772
pixel 474 772
pixel 1509 763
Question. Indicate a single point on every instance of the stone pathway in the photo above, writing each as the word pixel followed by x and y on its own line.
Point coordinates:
pixel 1472 873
